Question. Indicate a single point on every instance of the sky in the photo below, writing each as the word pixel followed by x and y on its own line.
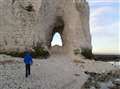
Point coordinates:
pixel 104 26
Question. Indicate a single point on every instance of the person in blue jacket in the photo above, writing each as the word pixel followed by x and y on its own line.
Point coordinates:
pixel 28 61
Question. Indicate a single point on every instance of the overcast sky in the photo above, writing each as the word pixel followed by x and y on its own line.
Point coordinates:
pixel 104 26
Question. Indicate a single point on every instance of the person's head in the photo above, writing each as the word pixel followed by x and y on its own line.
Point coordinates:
pixel 27 51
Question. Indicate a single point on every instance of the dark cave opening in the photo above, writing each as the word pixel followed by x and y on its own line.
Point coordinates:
pixel 57 32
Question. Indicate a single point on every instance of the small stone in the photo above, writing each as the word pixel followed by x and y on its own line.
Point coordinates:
pixel 92 87
pixel 116 82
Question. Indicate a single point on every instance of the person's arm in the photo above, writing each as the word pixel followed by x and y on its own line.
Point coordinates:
pixel 31 60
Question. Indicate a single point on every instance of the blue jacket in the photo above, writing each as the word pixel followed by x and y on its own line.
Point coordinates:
pixel 28 59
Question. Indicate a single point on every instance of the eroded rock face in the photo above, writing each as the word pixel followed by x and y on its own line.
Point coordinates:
pixel 25 23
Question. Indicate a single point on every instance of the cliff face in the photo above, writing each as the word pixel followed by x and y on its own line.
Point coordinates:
pixel 26 23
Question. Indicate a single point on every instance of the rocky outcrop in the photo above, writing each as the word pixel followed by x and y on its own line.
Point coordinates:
pixel 27 23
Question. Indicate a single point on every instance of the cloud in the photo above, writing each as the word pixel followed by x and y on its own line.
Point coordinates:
pixel 103 1
pixel 107 27
pixel 102 10
pixel 106 39
pixel 99 17
pixel 106 51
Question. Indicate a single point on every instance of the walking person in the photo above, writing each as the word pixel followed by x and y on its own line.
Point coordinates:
pixel 28 61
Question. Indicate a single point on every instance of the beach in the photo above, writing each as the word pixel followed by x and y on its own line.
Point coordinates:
pixel 56 72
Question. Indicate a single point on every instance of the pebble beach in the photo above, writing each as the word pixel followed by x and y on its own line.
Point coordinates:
pixel 57 72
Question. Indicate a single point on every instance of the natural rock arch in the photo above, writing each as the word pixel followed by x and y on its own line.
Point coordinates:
pixel 25 23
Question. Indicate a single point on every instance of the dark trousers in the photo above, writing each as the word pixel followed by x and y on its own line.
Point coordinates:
pixel 27 66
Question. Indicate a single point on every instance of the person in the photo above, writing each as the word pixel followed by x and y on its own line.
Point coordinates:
pixel 28 61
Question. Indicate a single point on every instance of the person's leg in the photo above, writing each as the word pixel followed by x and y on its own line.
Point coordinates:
pixel 29 69
pixel 25 70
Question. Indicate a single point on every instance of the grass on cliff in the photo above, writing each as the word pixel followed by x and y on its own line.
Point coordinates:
pixel 86 52
pixel 37 53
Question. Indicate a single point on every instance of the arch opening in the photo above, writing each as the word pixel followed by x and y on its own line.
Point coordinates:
pixel 57 36
pixel 56 40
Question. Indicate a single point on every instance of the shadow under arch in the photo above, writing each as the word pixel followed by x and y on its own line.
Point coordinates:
pixel 58 29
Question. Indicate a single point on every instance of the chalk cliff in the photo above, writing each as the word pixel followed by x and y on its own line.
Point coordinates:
pixel 27 23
